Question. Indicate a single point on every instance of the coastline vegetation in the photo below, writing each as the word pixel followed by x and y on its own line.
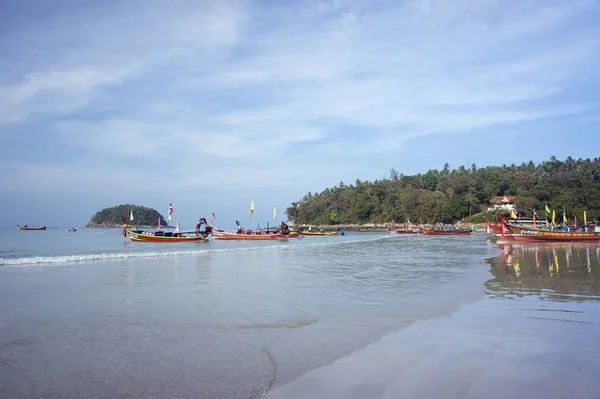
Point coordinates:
pixel 462 194
pixel 111 217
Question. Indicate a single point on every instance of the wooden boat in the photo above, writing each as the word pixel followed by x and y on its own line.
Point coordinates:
pixel 404 231
pixel 165 236
pixel 318 233
pixel 31 228
pixel 531 234
pixel 438 232
pixel 246 236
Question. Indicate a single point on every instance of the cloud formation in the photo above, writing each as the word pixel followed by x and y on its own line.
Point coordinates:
pixel 280 94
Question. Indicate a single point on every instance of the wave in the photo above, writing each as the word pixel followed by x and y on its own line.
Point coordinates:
pixel 90 257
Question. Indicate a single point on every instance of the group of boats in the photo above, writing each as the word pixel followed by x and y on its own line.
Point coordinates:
pixel 208 233
pixel 534 232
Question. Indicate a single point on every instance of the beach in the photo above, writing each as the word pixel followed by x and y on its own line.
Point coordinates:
pixel 362 315
pixel 532 337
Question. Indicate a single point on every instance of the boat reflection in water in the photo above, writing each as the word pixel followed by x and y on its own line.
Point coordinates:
pixel 556 272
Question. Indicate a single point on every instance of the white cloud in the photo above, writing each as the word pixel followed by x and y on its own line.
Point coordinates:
pixel 243 89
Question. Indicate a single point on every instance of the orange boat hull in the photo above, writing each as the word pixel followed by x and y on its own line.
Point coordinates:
pixel 524 234
pixel 223 235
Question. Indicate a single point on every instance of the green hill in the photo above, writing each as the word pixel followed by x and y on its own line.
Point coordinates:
pixel 111 217
pixel 449 195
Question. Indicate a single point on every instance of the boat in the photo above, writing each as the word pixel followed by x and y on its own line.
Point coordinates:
pixel 440 232
pixel 165 236
pixel 31 228
pixel 246 236
pixel 404 231
pixel 72 230
pixel 531 234
pixel 318 233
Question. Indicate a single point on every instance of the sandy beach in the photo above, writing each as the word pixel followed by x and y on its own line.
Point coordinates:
pixel 522 341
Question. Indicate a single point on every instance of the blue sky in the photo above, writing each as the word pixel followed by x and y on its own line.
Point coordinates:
pixel 215 104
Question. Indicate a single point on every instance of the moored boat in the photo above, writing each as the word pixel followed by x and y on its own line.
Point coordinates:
pixel 165 236
pixel 531 234
pixel 318 233
pixel 246 236
pixel 404 231
pixel 31 228
pixel 440 232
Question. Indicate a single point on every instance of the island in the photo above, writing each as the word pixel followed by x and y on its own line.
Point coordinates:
pixel 463 195
pixel 111 217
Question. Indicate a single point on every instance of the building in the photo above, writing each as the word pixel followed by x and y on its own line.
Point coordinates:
pixel 502 203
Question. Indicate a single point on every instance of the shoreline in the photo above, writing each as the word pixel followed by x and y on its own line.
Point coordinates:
pixel 486 350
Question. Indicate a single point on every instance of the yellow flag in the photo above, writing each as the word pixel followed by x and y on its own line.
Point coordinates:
pixel 584 218
pixel 553 216
pixel 274 212
pixel 251 208
pixel 564 217
pixel 513 214
pixel 547 209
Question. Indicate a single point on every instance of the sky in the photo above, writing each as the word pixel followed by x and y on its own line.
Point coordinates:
pixel 215 104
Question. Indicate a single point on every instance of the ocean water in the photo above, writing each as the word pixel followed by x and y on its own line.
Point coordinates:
pixel 90 314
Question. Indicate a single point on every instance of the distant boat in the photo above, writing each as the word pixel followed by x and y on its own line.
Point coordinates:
pixel 318 233
pixel 31 228
pixel 404 231
pixel 71 230
pixel 439 232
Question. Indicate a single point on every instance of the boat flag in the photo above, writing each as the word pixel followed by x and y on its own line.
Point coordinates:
pixel 177 226
pixel 274 212
pixel 553 216
pixel 584 217
pixel 251 208
pixel 212 217
pixel 575 221
pixel 158 227
pixel 547 209
pixel 564 217
pixel 170 210
pixel 131 216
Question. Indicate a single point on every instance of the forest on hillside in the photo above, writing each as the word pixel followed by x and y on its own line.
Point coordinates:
pixel 450 195
pixel 142 216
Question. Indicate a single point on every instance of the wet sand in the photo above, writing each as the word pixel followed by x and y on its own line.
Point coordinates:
pixel 534 336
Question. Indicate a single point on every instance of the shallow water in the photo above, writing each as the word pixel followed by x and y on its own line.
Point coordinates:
pixel 94 315
pixel 533 336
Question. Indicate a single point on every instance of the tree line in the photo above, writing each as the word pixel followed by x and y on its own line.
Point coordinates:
pixel 142 216
pixel 450 195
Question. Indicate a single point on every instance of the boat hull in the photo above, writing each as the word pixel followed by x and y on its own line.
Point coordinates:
pixel 224 235
pixel 400 231
pixel 31 228
pixel 524 234
pixel 146 236
pixel 432 232
pixel 318 233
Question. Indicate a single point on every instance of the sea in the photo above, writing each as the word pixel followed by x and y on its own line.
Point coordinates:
pixel 89 314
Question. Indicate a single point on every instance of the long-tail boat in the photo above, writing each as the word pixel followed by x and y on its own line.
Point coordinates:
pixel 31 228
pixel 440 232
pixel 247 236
pixel 165 236
pixel 531 234
pixel 318 233
pixel 404 231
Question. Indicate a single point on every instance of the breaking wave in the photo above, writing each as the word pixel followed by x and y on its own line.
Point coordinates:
pixel 90 257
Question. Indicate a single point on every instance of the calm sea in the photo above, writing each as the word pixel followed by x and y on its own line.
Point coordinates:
pixel 90 314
